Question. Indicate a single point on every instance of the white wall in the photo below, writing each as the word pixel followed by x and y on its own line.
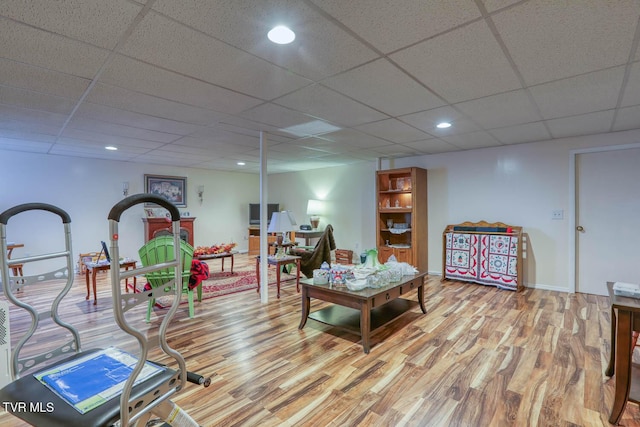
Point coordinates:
pixel 518 185
pixel 349 195
pixel 87 189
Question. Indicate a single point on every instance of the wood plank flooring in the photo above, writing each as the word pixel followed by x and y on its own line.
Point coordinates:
pixel 479 357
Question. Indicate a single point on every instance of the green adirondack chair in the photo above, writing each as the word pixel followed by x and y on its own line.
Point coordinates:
pixel 159 250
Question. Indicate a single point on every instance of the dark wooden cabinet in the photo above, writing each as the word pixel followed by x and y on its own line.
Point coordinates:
pixel 161 227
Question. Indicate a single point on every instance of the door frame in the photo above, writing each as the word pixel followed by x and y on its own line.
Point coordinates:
pixel 573 209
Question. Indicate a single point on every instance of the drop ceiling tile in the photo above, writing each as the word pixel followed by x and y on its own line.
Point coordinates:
pixel 427 121
pixel 397 150
pixel 471 140
pixel 460 65
pixel 389 27
pixel 552 40
pixel 627 118
pixel 94 21
pixel 27 145
pixel 140 77
pixel 134 119
pixel 168 44
pixel 493 5
pixel 505 109
pixel 36 79
pixel 322 144
pixel 27 135
pixel 527 132
pixel 329 105
pixel 22 43
pixel 384 87
pixel 320 49
pixel 10 114
pixel 17 127
pixel 124 99
pixel 584 124
pixel 393 130
pixel 579 95
pixel 36 101
pixel 432 146
pixel 276 116
pixel 355 139
pixel 106 139
pixel 216 135
pixel 84 123
pixel 632 90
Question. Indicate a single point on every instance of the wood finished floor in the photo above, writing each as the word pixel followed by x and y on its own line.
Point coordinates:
pixel 479 357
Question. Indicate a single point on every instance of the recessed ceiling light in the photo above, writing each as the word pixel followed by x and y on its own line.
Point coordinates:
pixel 281 35
pixel 240 163
pixel 443 125
pixel 111 148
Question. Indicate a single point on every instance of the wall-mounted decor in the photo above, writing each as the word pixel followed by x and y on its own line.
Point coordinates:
pixel 172 188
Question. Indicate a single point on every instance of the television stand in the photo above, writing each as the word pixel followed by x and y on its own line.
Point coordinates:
pixel 254 239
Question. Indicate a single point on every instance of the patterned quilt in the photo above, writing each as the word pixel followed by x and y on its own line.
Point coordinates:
pixel 488 259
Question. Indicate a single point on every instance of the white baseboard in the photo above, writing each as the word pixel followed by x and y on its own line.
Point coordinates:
pixel 540 286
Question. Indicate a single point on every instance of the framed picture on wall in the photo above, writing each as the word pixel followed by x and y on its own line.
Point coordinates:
pixel 172 188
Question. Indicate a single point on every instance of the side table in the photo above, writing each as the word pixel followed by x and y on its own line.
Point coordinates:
pixel 220 256
pixel 93 268
pixel 278 262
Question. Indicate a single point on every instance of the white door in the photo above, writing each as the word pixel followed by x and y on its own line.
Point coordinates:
pixel 607 219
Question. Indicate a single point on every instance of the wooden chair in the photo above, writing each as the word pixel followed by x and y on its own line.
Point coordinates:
pixel 159 250
pixel 344 256
pixel 16 269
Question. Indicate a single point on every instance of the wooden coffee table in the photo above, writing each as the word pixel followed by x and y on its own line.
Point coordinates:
pixel 361 312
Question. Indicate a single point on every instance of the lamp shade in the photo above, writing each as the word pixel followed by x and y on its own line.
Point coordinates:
pixel 315 207
pixel 282 222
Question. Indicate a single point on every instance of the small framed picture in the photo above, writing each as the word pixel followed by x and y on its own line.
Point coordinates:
pixel 172 188
pixel 150 213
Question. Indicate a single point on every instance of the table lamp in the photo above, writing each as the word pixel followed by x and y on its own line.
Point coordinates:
pixel 282 223
pixel 314 209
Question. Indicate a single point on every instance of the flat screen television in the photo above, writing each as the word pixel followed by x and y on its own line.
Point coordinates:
pixel 254 212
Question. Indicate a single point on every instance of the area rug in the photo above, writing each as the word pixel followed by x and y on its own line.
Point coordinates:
pixel 223 283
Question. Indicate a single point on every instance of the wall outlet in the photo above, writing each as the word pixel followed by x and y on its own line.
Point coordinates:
pixel 557 214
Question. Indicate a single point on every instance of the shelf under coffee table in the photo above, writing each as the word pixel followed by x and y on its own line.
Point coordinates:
pixel 361 312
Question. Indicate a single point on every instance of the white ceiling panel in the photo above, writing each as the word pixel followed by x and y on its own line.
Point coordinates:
pixel 363 79
pixel 454 64
pixel 527 132
pixel 404 23
pixel 427 121
pixel 632 90
pixel 578 95
pixel 35 101
pixel 393 130
pixel 599 122
pixel 94 21
pixel 117 130
pixel 133 119
pixel 472 140
pixel 140 77
pixel 432 146
pixel 329 105
pixel 511 108
pixel 550 40
pixel 320 49
pixel 168 44
pixel 36 79
pixel 25 44
pixel 153 106
pixel 28 145
pixel 368 83
pixel 627 118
